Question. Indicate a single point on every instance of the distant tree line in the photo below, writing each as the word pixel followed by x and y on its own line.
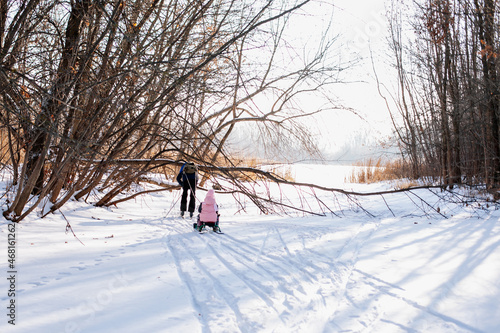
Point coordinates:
pixel 446 53
pixel 85 83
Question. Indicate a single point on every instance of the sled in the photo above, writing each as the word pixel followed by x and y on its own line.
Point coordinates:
pixel 204 225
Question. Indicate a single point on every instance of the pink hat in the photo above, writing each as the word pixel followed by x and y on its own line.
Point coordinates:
pixel 210 198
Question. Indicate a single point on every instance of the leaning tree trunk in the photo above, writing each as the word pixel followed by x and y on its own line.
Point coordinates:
pixel 55 102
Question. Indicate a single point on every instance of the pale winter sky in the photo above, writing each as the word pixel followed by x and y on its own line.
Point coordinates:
pixel 362 29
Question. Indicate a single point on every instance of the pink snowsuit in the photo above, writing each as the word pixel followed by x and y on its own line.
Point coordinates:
pixel 209 208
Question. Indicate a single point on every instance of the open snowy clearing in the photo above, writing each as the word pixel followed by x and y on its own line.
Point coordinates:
pixel 142 269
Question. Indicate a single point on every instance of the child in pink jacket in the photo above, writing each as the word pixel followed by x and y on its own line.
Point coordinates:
pixel 209 212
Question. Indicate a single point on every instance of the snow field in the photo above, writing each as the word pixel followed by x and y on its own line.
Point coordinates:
pixel 142 269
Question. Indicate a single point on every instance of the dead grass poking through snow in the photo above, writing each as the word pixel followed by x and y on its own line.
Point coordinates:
pixel 377 170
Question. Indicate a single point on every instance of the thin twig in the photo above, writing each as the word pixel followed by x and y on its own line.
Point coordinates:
pixel 388 206
pixel 68 227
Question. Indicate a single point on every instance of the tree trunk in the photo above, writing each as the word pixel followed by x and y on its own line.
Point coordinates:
pixel 56 100
pixel 486 18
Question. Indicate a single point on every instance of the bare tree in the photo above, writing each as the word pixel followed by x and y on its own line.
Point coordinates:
pixel 86 83
pixel 450 60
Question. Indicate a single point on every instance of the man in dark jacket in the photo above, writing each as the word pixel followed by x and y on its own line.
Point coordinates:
pixel 188 179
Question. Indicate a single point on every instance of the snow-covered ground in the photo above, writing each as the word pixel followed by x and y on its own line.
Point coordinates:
pixel 142 269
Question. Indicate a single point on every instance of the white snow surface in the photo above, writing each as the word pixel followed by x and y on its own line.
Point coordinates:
pixel 399 266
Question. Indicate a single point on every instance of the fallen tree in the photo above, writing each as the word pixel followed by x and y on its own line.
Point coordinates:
pixel 242 180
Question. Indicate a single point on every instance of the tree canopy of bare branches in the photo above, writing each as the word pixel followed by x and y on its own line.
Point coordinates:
pixel 85 83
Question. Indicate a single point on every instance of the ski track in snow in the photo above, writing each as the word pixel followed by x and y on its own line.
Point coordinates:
pixel 237 282
pixel 284 288
pixel 238 286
